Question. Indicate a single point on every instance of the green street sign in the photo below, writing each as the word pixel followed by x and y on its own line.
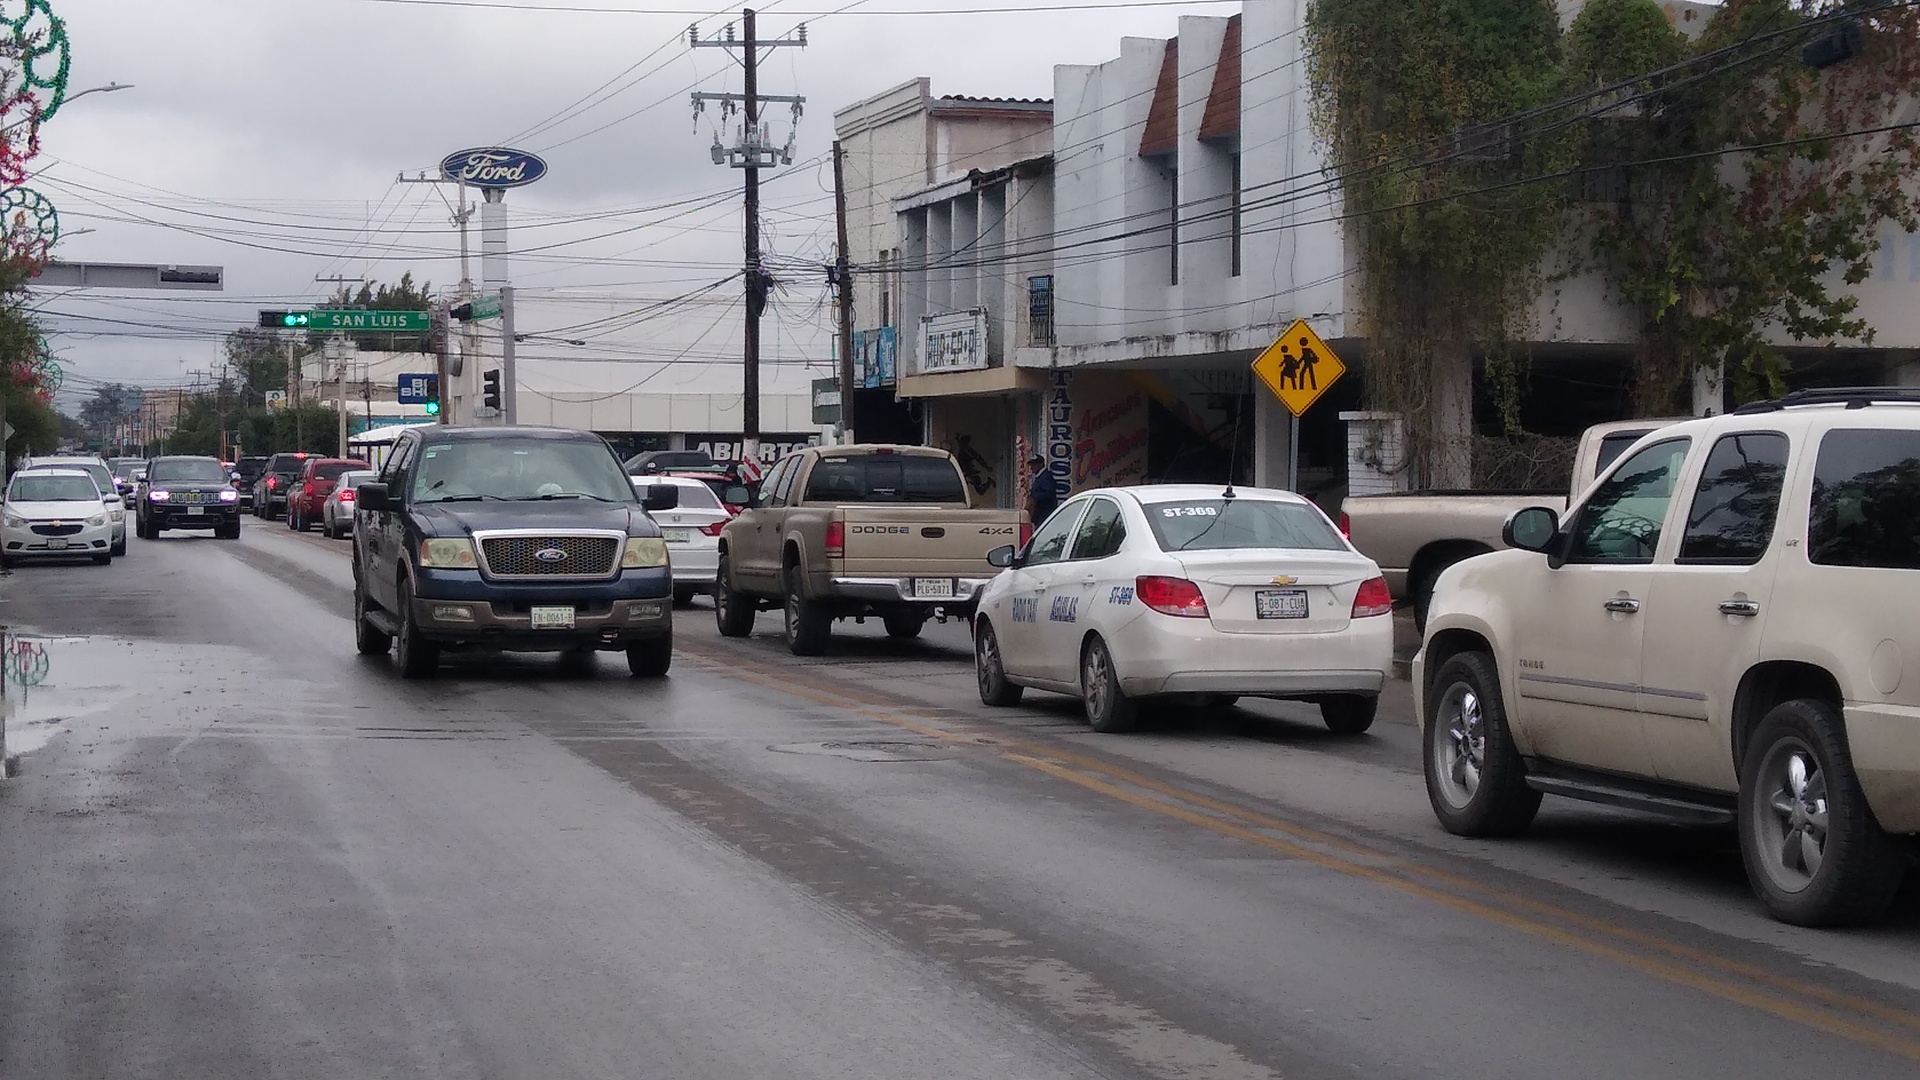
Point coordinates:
pixel 486 307
pixel 383 322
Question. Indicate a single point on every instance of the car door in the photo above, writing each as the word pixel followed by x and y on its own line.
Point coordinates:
pixel 379 533
pixel 1082 588
pixel 1702 619
pixel 755 549
pixel 1030 596
pixel 1578 627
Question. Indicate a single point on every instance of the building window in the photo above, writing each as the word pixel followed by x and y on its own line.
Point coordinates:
pixel 886 288
pixel 1233 164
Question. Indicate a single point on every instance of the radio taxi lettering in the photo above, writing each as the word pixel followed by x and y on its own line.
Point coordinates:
pixel 1026 609
pixel 1065 609
pixel 1122 595
pixel 493 167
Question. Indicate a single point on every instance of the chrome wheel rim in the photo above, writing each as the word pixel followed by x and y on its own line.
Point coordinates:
pixel 720 595
pixel 1459 740
pixel 792 615
pixel 1790 816
pixel 1095 680
pixel 986 662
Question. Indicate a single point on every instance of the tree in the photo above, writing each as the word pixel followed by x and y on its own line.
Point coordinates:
pixel 371 296
pixel 257 363
pixel 107 407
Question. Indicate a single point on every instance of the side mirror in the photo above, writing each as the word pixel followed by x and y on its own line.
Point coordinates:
pixel 737 495
pixel 1002 556
pixel 660 497
pixel 1532 529
pixel 235 477
pixel 371 496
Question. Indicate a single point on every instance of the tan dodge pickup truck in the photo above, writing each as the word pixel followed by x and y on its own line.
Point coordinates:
pixel 851 531
pixel 1415 535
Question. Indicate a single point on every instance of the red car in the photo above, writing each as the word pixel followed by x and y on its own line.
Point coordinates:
pixel 307 497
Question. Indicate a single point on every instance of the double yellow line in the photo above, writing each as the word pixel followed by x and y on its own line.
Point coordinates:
pixel 1893 1030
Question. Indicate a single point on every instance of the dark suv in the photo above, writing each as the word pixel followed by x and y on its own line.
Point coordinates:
pixel 187 493
pixel 510 538
pixel 276 479
pixel 249 469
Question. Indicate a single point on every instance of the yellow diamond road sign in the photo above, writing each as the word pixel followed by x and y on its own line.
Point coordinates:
pixel 1298 368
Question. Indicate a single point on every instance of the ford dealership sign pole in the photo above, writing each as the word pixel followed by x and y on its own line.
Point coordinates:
pixel 494 169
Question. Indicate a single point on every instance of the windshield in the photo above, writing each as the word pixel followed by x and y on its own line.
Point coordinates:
pixel 1234 524
pixel 52 487
pixel 123 466
pixel 520 469
pixel 186 471
pixel 101 477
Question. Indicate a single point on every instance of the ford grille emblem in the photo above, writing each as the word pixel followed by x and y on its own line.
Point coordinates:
pixel 550 555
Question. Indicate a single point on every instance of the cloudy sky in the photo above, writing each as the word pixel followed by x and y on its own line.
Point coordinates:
pixel 266 136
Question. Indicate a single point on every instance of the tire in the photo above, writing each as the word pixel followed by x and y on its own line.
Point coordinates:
pixel 1475 778
pixel 418 657
pixel 119 548
pixel 368 638
pixel 905 627
pixel 682 596
pixel 102 560
pixel 990 671
pixel 8 562
pixel 732 611
pixel 1349 714
pixel 231 532
pixel 1109 710
pixel 807 624
pixel 303 524
pixel 651 658
pixel 1798 760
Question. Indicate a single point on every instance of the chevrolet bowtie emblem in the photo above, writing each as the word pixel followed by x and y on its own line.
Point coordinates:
pixel 1285 579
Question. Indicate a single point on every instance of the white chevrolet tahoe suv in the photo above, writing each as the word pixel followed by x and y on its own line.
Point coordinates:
pixel 1718 630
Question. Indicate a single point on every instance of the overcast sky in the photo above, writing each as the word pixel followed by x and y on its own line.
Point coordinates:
pixel 265 136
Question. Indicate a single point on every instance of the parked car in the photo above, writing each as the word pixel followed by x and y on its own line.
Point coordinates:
pixel 844 531
pixel 659 461
pixel 249 469
pixel 310 489
pixel 515 538
pixel 276 480
pixel 54 513
pixel 725 486
pixel 336 514
pixel 692 532
pixel 187 492
pixel 1187 593
pixel 1415 535
pixel 1715 632
pixel 109 492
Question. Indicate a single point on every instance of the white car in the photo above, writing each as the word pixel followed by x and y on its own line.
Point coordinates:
pixel 54 513
pixel 336 514
pixel 109 492
pixel 692 532
pixel 1187 592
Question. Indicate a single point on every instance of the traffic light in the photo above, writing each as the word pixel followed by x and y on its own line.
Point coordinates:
pixel 284 320
pixel 433 406
pixel 490 389
pixel 462 312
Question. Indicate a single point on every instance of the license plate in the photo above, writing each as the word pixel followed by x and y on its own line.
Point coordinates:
pixel 553 618
pixel 196 511
pixel 677 536
pixel 56 545
pixel 1280 604
pixel 933 588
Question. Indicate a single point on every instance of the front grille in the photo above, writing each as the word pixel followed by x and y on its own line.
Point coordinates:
pixel 195 498
pixel 57 530
pixel 586 556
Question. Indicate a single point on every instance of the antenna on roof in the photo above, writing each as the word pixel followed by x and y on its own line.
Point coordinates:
pixel 1233 448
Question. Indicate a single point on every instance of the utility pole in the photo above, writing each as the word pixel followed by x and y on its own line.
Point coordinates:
pixel 462 213
pixel 843 279
pixel 509 382
pixel 751 152
pixel 340 402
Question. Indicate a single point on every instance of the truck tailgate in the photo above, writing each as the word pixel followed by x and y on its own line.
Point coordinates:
pixel 907 541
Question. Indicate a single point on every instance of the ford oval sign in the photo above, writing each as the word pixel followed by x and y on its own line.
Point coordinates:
pixel 493 167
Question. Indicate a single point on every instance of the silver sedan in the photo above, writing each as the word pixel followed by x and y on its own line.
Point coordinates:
pixel 337 512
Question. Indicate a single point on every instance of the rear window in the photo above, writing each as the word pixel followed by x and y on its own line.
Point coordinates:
pixel 1612 446
pixel 885 478
pixel 333 470
pixel 1234 524
pixel 698 497
pixel 285 463
pixel 1866 500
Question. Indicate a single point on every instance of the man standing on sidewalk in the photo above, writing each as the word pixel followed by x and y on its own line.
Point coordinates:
pixel 1043 493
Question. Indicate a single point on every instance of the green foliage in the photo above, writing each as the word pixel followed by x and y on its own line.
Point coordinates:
pixel 403 296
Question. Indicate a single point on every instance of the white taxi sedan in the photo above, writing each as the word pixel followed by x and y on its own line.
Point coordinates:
pixel 54 513
pixel 1187 592
pixel 692 533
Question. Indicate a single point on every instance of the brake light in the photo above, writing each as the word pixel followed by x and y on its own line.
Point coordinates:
pixel 836 539
pixel 1346 525
pixel 272 482
pixel 1372 599
pixel 1171 596
pixel 1026 533
pixel 347 495
pixel 307 489
pixel 713 528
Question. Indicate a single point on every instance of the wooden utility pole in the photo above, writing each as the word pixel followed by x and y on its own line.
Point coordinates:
pixel 843 279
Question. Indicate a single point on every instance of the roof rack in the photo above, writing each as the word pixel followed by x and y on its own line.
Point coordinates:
pixel 1853 397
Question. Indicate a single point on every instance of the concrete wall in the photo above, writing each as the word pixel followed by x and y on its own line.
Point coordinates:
pixel 662 412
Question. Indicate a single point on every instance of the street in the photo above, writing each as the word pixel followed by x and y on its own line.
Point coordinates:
pixel 236 848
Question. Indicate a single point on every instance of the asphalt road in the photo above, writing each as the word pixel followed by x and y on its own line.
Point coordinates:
pixel 237 849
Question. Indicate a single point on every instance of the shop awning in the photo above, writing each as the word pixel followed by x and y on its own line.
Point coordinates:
pixel 992 381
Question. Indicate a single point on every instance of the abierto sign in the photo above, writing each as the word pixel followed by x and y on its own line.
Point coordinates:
pixel 493 167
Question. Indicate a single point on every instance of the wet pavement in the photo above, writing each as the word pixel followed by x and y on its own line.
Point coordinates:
pixel 235 848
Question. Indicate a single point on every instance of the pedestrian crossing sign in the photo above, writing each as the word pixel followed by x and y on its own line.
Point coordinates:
pixel 1298 368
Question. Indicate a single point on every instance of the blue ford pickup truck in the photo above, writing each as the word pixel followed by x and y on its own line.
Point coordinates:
pixel 510 538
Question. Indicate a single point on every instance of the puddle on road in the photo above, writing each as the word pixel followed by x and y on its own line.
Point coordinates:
pixel 50 681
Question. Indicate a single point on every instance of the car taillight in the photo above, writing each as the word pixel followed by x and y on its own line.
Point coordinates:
pixel 272 482
pixel 1171 596
pixel 1026 534
pixel 836 539
pixel 1372 599
pixel 307 488
pixel 1346 526
pixel 347 495
pixel 713 528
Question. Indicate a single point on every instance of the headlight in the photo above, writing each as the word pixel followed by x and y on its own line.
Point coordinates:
pixel 159 494
pixel 451 554
pixel 116 515
pixel 13 522
pixel 644 552
pixel 97 519
pixel 229 495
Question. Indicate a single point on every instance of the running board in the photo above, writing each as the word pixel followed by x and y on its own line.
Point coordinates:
pixel 1597 790
pixel 383 621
